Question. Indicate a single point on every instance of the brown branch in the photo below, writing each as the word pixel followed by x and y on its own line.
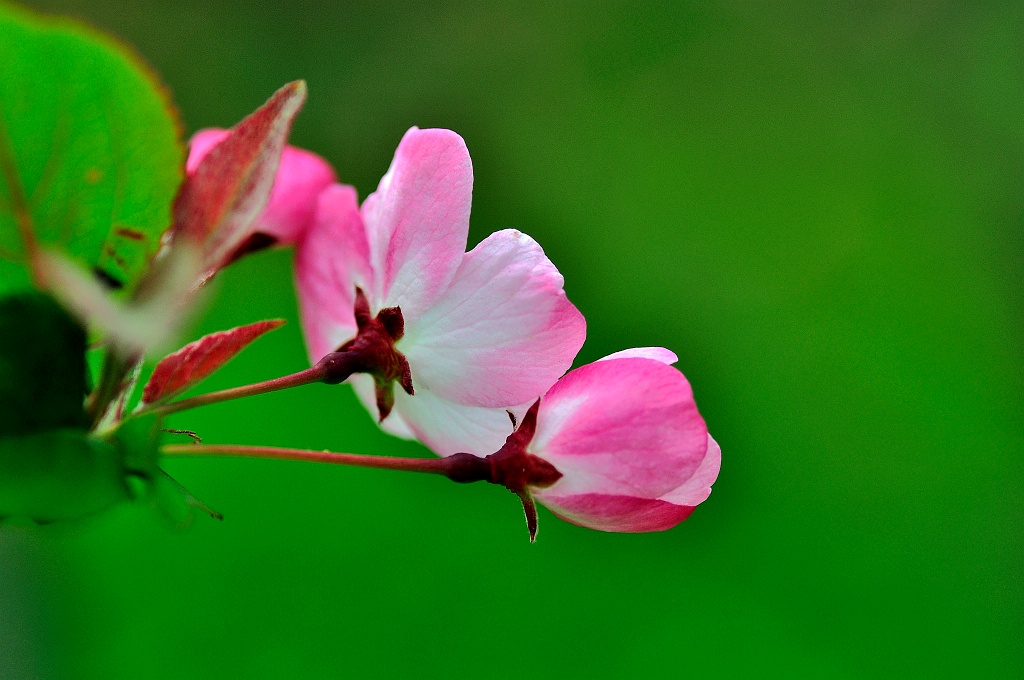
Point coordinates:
pixel 19 203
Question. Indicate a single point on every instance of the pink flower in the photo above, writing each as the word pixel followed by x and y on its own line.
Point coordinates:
pixel 466 335
pixel 300 178
pixel 616 445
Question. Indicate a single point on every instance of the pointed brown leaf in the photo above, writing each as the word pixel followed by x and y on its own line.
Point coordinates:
pixel 218 203
pixel 195 361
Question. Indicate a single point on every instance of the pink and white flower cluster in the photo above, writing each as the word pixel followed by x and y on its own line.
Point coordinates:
pixel 453 348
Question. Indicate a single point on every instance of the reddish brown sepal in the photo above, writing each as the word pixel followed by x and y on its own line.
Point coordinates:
pixel 393 321
pixel 197 360
pixel 361 310
pixel 373 351
pixel 530 509
pixel 384 391
pixel 511 466
pixel 518 470
pixel 217 204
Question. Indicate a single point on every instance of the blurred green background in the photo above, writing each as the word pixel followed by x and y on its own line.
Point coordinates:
pixel 818 206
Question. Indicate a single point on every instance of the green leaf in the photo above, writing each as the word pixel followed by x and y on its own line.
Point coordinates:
pixel 90 148
pixel 59 475
pixel 42 366
pixel 138 438
pixel 65 474
pixel 176 503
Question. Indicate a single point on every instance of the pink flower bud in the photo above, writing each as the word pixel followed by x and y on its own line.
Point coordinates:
pixel 634 453
pixel 628 448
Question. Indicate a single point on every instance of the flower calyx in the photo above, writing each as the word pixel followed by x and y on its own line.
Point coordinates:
pixel 373 352
pixel 511 466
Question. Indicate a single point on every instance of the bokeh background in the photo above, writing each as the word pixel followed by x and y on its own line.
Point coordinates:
pixel 818 206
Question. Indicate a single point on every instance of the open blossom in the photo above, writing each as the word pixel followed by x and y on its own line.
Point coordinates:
pixel 465 335
pixel 301 176
pixel 616 445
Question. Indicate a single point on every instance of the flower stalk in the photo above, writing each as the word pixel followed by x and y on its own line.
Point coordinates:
pixel 332 369
pixel 458 468
pixel 510 467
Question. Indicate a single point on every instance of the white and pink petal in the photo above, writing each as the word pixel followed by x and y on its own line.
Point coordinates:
pixel 201 145
pixel 665 356
pixel 447 428
pixel 330 262
pixel 502 333
pixel 418 221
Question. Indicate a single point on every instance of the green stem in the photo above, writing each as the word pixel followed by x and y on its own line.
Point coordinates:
pixel 112 377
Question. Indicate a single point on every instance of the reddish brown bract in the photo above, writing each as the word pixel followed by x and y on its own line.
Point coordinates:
pixel 219 201
pixel 197 360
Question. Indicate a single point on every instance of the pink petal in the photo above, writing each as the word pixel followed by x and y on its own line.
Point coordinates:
pixel 330 262
pixel 661 354
pixel 502 333
pixel 623 427
pixel 447 428
pixel 616 513
pixel 300 178
pixel 201 144
pixel 697 488
pixel 293 200
pixel 418 221
pixel 631 514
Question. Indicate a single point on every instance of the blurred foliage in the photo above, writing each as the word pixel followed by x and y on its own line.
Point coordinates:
pixel 42 366
pixel 49 469
pixel 89 163
pixel 92 146
pixel 59 475
pixel 818 206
